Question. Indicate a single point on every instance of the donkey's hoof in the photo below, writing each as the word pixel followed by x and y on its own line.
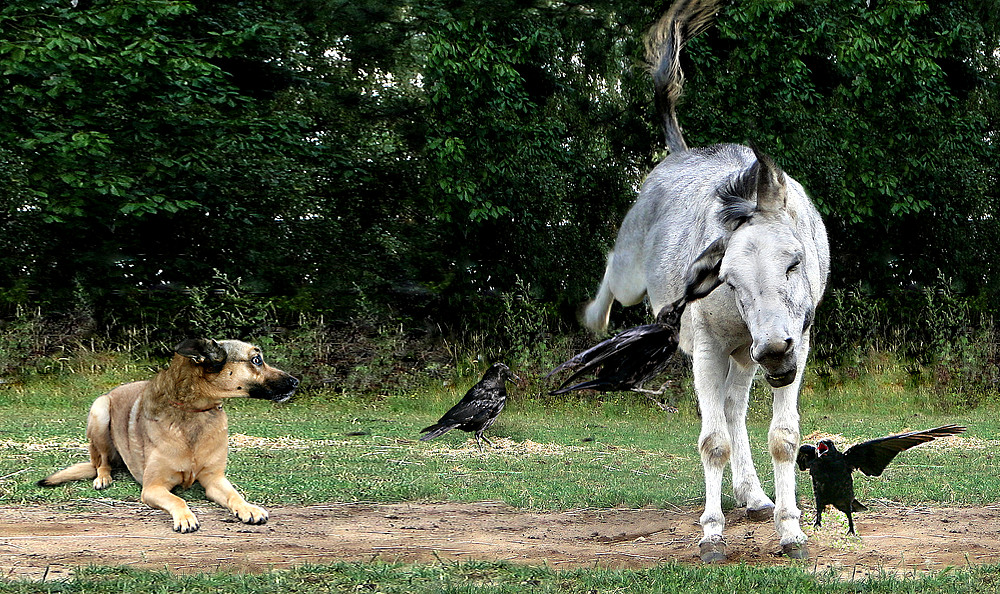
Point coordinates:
pixel 761 514
pixel 795 550
pixel 713 552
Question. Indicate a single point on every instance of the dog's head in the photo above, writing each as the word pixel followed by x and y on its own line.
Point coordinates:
pixel 231 368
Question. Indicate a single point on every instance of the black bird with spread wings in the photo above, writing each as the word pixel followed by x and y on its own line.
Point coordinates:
pixel 628 359
pixel 832 471
pixel 632 357
pixel 479 408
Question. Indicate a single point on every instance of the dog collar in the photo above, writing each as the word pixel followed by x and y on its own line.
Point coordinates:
pixel 180 405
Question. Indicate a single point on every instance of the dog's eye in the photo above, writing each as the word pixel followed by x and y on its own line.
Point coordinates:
pixel 257 360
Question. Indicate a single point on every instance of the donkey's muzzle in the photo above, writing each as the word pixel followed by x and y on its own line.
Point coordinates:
pixel 777 357
pixel 780 380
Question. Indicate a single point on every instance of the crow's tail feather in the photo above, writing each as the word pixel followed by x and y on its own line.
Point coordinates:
pixel 435 431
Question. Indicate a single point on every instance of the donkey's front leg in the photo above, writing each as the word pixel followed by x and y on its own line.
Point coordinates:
pixel 746 484
pixel 715 446
pixel 783 442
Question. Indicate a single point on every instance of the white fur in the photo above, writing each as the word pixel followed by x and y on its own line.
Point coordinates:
pixel 760 309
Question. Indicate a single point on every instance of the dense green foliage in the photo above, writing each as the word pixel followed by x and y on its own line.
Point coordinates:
pixel 462 165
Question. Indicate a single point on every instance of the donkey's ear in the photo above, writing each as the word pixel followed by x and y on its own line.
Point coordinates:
pixel 703 274
pixel 202 351
pixel 771 192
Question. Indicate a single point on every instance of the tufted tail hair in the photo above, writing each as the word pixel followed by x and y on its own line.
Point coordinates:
pixel 683 20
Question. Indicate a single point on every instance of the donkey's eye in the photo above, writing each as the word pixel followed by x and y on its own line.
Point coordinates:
pixel 793 267
pixel 257 360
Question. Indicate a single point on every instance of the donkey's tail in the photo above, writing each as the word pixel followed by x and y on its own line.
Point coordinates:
pixel 684 20
pixel 598 311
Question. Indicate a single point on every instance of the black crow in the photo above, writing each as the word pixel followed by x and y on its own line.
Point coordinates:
pixel 831 470
pixel 629 359
pixel 479 408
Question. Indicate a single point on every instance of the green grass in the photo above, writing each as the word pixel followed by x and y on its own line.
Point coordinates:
pixel 616 450
pixel 502 578
pixel 553 454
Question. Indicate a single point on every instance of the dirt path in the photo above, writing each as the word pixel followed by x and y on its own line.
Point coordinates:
pixel 50 541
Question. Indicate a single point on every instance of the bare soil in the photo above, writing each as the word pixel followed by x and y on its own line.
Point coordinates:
pixel 48 542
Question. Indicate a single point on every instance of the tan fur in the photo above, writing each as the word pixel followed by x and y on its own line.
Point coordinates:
pixel 171 431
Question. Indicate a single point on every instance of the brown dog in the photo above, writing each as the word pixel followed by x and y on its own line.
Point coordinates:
pixel 172 431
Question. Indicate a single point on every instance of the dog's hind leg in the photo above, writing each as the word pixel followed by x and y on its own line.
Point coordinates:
pixel 220 490
pixel 102 449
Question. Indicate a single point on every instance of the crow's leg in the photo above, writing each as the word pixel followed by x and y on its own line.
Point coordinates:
pixel 656 392
pixel 660 405
pixel 850 522
pixel 819 515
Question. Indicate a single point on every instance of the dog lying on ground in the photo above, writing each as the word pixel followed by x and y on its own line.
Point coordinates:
pixel 171 430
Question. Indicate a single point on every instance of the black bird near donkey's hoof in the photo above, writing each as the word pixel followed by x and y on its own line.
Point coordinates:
pixel 479 408
pixel 628 359
pixel 831 470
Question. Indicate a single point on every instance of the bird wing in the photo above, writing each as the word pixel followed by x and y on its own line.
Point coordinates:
pixel 807 453
pixel 596 355
pixel 871 457
pixel 640 349
pixel 629 358
pixel 477 403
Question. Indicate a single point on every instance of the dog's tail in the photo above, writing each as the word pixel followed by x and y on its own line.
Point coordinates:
pixel 76 472
pixel 684 20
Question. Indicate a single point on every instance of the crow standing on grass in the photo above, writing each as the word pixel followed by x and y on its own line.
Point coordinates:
pixel 479 408
pixel 831 470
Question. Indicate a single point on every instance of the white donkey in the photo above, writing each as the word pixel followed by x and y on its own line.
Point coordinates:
pixel 725 216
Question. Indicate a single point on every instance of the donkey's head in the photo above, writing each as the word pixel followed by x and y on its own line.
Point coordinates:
pixel 762 260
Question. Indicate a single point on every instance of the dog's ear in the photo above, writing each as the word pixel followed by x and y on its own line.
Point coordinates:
pixel 203 351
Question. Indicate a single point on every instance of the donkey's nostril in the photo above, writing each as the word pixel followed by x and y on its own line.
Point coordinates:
pixel 772 349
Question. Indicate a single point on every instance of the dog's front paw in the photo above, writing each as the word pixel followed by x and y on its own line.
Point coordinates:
pixel 251 514
pixel 102 482
pixel 185 523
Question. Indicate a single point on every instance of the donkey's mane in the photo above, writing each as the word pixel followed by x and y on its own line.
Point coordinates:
pixel 738 197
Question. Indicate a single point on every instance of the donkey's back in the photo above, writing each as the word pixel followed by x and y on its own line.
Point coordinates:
pixel 677 214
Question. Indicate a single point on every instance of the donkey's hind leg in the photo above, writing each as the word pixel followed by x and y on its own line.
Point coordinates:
pixel 623 280
pixel 597 312
pixel 746 484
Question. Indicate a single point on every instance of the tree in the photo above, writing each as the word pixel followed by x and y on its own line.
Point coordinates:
pixel 144 152
pixel 450 161
pixel 886 111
